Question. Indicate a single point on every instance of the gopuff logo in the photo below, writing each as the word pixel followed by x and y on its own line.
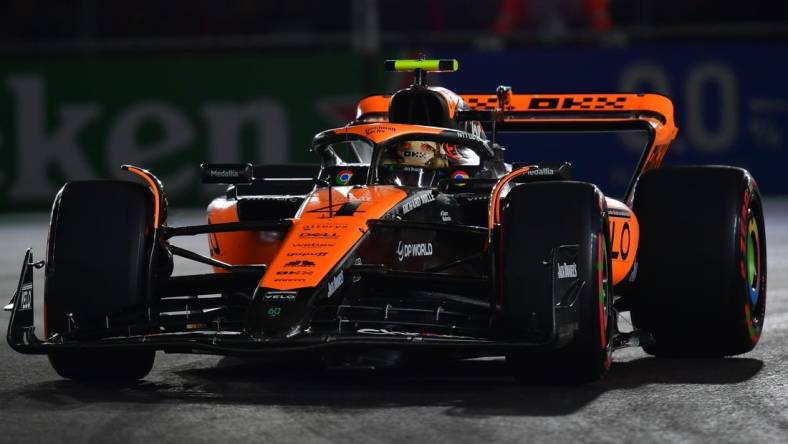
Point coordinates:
pixel 405 251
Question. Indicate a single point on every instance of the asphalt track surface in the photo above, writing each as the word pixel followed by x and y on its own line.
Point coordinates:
pixel 195 398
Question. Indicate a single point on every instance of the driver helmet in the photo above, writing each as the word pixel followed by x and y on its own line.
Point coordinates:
pixel 420 153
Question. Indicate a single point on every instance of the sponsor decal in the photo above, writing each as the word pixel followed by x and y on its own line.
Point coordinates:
pixel 379 129
pixel 460 175
pixel 312 245
pixel 317 235
pixel 566 271
pixel 335 283
pixel 476 129
pixel 26 297
pixel 295 272
pixel 417 201
pixel 615 212
pixel 300 263
pixel 474 198
pixel 324 226
pixel 417 154
pixel 445 216
pixel 343 177
pixel 281 279
pixel 541 172
pixel 274 312
pixel 308 253
pixel 224 173
pixel 405 251
pixel 357 261
pixel 385 332
pixel 464 135
pixel 280 295
pixel 598 102
pixel 621 241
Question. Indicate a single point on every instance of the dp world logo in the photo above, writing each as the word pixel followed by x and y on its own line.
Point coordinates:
pixel 405 251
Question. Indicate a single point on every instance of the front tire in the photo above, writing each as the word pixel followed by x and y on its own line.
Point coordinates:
pixel 103 366
pixel 536 219
pixel 97 265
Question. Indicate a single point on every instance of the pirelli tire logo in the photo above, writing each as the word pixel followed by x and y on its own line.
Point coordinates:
pixel 576 103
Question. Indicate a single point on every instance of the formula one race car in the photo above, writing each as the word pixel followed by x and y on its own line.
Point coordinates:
pixel 413 238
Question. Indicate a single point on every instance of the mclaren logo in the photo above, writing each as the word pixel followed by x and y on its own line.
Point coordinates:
pixel 566 271
pixel 405 251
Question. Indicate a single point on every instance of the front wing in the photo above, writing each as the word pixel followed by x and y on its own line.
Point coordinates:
pixel 22 338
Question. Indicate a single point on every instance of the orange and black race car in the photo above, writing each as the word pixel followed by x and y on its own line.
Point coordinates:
pixel 413 237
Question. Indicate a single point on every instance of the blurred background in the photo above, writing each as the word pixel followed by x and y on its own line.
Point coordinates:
pixel 87 85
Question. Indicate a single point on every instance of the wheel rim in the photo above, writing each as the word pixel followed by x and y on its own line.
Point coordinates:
pixel 753 261
pixel 753 272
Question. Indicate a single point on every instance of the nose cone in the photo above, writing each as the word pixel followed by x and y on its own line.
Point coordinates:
pixel 309 261
pixel 278 313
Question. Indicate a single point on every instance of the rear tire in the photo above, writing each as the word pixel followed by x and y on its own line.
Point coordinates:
pixel 97 265
pixel 537 218
pixel 702 257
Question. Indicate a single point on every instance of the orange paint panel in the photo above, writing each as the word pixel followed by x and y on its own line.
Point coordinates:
pixel 624 236
pixel 318 241
pixel 144 174
pixel 373 105
pixel 238 247
pixel 380 132
pixel 581 103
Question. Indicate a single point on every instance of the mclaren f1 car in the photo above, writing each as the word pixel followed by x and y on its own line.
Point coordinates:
pixel 414 237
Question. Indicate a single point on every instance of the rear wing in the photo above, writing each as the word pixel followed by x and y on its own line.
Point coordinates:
pixel 509 112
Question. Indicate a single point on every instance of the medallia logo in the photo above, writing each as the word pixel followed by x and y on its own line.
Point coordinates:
pixel 405 251
pixel 566 271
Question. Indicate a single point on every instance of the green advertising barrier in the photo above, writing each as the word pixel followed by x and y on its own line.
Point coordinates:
pixel 81 118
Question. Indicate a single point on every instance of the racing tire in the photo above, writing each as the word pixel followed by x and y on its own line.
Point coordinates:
pixel 702 257
pixel 103 366
pixel 97 264
pixel 536 219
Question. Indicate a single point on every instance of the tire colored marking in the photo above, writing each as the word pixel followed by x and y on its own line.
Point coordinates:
pixel 154 189
pixel 753 261
pixel 750 326
pixel 743 233
pixel 602 296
